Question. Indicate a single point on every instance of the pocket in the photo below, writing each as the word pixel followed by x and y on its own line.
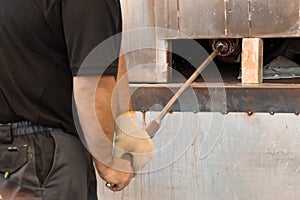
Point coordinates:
pixel 12 158
pixel 44 148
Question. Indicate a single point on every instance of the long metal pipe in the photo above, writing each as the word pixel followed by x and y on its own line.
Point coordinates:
pixel 154 125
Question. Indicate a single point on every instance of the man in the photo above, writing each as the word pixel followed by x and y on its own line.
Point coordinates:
pixel 43 43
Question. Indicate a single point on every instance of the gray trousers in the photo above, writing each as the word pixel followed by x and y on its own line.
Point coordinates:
pixel 44 164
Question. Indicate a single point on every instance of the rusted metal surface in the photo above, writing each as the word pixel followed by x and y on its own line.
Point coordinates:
pixel 199 19
pixel 138 42
pixel 202 18
pixel 231 18
pixel 237 18
pixel 238 98
pixel 215 18
pixel 166 17
pixel 241 157
pixel 274 18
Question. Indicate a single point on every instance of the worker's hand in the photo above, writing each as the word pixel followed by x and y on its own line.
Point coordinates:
pixel 117 176
pixel 132 139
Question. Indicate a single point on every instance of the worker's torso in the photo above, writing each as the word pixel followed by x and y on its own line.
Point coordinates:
pixel 35 77
pixel 42 44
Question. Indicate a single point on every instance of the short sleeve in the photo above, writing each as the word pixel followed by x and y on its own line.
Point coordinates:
pixel 92 31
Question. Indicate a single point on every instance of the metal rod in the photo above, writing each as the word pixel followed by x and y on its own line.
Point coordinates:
pixel 153 127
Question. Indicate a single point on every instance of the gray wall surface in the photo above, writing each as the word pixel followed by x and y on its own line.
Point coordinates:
pixel 214 157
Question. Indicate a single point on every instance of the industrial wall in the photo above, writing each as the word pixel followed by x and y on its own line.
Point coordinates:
pixel 215 156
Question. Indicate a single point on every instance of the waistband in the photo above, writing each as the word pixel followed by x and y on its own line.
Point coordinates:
pixel 22 128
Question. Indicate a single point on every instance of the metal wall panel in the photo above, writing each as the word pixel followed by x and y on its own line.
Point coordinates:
pixel 237 18
pixel 166 17
pixel 137 13
pixel 202 18
pixel 240 157
pixel 283 98
pixel 138 42
pixel 229 18
pixel 274 18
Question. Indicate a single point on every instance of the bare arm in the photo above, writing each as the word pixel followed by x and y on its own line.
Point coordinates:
pixel 96 103
pixel 98 130
pixel 84 94
pixel 99 100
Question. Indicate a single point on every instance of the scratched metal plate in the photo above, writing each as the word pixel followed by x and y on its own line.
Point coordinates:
pixel 265 98
pixel 231 18
pixel 237 18
pixel 215 18
pixel 240 157
pixel 200 19
pixel 166 17
pixel 274 18
pixel 138 41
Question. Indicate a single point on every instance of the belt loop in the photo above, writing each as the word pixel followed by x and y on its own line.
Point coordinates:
pixel 6 136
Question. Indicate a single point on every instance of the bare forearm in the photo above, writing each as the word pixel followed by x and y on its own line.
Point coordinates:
pixel 122 92
pixel 104 106
pixel 92 98
pixel 112 99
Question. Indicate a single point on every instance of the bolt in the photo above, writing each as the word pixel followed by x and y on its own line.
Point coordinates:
pixel 250 113
pixel 222 47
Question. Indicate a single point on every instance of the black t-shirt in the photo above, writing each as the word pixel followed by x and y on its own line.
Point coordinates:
pixel 42 45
